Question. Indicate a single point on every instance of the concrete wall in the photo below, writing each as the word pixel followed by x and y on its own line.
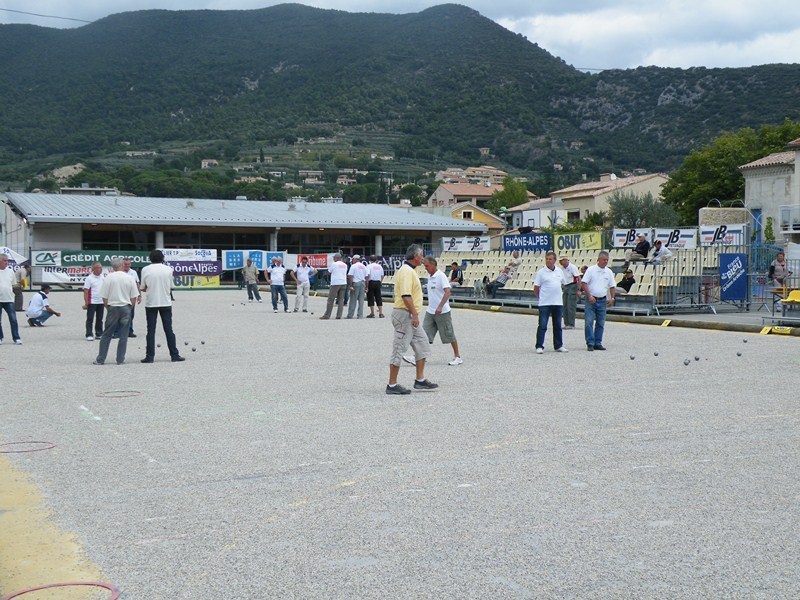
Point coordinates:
pixel 56 236
pixel 723 216
pixel 768 189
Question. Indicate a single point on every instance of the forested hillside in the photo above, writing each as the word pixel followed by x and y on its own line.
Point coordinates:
pixel 448 80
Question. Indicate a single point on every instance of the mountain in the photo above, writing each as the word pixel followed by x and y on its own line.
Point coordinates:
pixel 446 81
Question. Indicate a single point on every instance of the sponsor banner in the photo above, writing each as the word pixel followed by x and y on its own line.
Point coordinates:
pixel 466 244
pixel 189 255
pixel 722 235
pixel 195 281
pixel 236 259
pixel 528 241
pixel 316 261
pixel 591 240
pixel 679 238
pixel 733 276
pixel 84 258
pixel 204 268
pixel 67 275
pixel 15 260
pixel 626 238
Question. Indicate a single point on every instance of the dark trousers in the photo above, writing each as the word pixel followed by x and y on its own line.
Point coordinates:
pixel 335 294
pixel 165 312
pixel 279 290
pixel 118 319
pixel 12 319
pixel 94 312
pixel 252 291
pixel 553 313
pixel 374 293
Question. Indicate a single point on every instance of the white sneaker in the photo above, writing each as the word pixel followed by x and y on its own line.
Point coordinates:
pixel 260 301
pixel 89 338
pixel 456 361
pixel 275 310
pixel 18 342
pixel 410 360
pixel 250 301
pixel 1 341
pixel 540 351
pixel 562 349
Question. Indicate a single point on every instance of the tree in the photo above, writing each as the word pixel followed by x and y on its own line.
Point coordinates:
pixel 513 194
pixel 712 173
pixel 629 210
pixel 413 192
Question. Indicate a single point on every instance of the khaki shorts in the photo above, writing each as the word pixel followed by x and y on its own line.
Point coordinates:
pixel 406 335
pixel 442 323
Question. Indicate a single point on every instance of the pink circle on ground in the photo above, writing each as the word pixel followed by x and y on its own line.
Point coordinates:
pixel 114 591
pixel 47 446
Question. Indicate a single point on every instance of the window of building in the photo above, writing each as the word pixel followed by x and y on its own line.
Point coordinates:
pixel 573 216
pixel 466 215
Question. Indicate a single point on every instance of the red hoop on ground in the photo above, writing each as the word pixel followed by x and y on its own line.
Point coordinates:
pixel 114 591
pixel 48 446
pixel 119 394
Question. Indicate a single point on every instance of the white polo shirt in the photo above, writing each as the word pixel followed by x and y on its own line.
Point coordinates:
pixel 7 281
pixel 549 283
pixel 36 305
pixel 599 281
pixel 358 272
pixel 93 283
pixel 303 274
pixel 374 271
pixel 338 271
pixel 569 273
pixel 118 289
pixel 437 284
pixel 157 284
pixel 277 274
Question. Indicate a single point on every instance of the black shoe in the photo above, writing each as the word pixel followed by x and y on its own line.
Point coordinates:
pixel 31 323
pixel 178 359
pixel 38 324
pixel 147 359
pixel 599 347
pixel 425 385
pixel 130 335
pixel 397 390
pixel 590 348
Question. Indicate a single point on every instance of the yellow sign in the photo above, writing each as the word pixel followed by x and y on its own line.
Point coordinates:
pixel 195 281
pixel 494 308
pixel 765 331
pixel 666 323
pixel 782 330
pixel 590 240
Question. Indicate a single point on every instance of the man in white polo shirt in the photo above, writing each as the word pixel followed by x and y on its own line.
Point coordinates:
pixel 598 283
pixel 276 279
pixel 357 278
pixel 302 275
pixel 119 293
pixel 338 272
pixel 374 282
pixel 547 287
pixel 39 309
pixel 157 286
pixel 93 301
pixel 438 317
pixel 7 279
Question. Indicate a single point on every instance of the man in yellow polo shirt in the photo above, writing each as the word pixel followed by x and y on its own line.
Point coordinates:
pixel 407 329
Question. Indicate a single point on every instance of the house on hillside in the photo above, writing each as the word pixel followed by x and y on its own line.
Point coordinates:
pixel 207 163
pixel 480 175
pixel 465 211
pixel 584 198
pixel 448 194
pixel 542 212
pixel 772 189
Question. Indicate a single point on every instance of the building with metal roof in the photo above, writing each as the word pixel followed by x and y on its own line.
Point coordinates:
pixel 55 221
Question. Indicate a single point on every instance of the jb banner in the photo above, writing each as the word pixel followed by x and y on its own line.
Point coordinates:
pixel 733 277
pixel 465 244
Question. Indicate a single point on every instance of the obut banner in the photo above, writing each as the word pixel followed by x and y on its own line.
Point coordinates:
pixel 195 281
pixel 591 240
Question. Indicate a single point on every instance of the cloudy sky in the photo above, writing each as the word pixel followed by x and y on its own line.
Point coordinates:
pixel 588 34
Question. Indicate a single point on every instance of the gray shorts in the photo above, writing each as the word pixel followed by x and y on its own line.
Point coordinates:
pixel 406 335
pixel 442 323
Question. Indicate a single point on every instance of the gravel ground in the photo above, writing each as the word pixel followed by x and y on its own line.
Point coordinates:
pixel 271 464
